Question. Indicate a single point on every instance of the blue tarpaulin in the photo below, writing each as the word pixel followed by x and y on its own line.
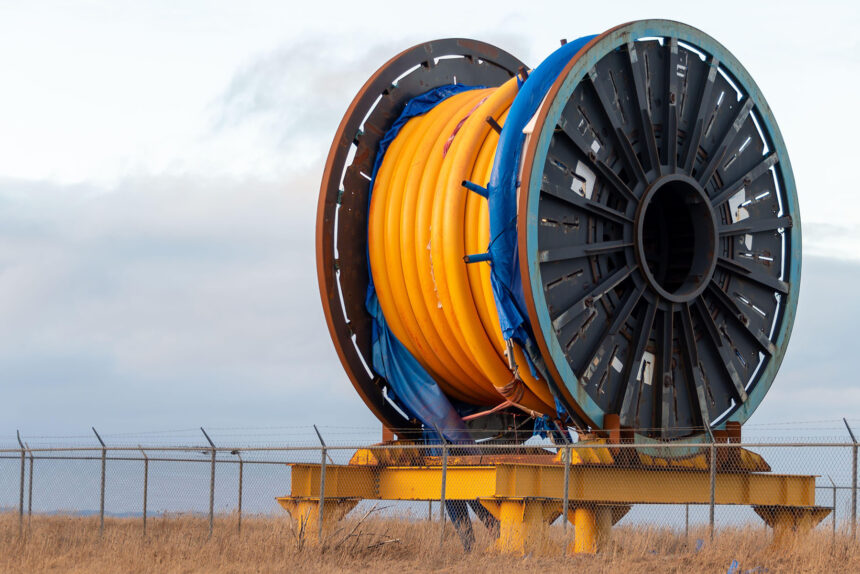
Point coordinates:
pixel 411 387
pixel 507 286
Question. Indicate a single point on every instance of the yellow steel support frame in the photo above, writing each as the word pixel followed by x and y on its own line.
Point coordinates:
pixel 592 526
pixel 518 518
pixel 305 511
pixel 524 496
pixel 786 521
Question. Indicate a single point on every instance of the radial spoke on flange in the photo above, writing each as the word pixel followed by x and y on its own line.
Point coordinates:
pixel 588 301
pixel 703 112
pixel 724 143
pixel 640 83
pixel 665 381
pixel 576 200
pixel 623 314
pixel 729 190
pixel 600 166
pixel 672 137
pixel 740 317
pixel 727 361
pixel 628 154
pixel 671 131
pixel 616 181
pixel 755 225
pixel 753 275
pixel 580 251
pixel 620 317
pixel 631 380
pixel 694 371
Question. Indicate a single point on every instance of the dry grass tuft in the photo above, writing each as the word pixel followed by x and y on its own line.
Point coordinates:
pixel 274 544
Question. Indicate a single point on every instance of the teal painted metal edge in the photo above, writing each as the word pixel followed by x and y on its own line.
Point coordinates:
pixel 587 59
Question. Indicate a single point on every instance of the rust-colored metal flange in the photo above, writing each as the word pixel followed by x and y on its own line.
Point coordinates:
pixel 341 241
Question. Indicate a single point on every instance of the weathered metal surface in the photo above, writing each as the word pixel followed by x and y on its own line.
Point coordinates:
pixel 342 210
pixel 659 233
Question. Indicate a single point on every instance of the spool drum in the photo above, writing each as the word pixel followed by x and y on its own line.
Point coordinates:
pixel 658 227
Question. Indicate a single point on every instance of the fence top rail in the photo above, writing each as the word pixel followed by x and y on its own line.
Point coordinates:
pixel 73 456
pixel 478 447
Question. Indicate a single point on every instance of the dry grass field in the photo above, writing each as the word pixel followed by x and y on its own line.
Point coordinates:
pixel 180 544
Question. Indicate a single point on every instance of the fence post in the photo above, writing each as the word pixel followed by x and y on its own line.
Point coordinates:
pixel 853 482
pixel 145 484
pixel 854 492
pixel 713 488
pixel 102 490
pixel 21 500
pixel 444 481
pixel 442 493
pixel 687 521
pixel 323 454
pixel 833 512
pixel 565 497
pixel 241 474
pixel 211 485
pixel 30 488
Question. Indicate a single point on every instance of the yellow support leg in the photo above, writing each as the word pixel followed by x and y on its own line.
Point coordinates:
pixel 790 522
pixel 520 520
pixel 584 531
pixel 306 511
pixel 592 527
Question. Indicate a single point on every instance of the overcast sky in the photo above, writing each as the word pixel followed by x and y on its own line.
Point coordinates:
pixel 159 167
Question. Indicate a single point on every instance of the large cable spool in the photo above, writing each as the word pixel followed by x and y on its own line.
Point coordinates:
pixel 641 221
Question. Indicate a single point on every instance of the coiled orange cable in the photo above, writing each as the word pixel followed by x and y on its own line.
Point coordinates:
pixel 422 223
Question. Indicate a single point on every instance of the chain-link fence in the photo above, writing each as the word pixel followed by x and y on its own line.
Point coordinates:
pixel 516 491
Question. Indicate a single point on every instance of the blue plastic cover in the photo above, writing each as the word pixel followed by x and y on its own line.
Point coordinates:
pixel 507 285
pixel 411 387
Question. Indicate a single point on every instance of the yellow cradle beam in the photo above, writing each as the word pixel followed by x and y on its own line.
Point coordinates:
pixel 586 484
pixel 523 496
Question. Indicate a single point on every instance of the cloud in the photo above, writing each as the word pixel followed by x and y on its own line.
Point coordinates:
pixel 817 377
pixel 831 240
pixel 295 96
pixel 290 101
pixel 164 300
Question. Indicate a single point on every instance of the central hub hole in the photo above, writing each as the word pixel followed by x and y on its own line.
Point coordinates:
pixel 678 237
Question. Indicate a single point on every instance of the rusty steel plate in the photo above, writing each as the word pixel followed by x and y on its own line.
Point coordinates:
pixel 341 240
